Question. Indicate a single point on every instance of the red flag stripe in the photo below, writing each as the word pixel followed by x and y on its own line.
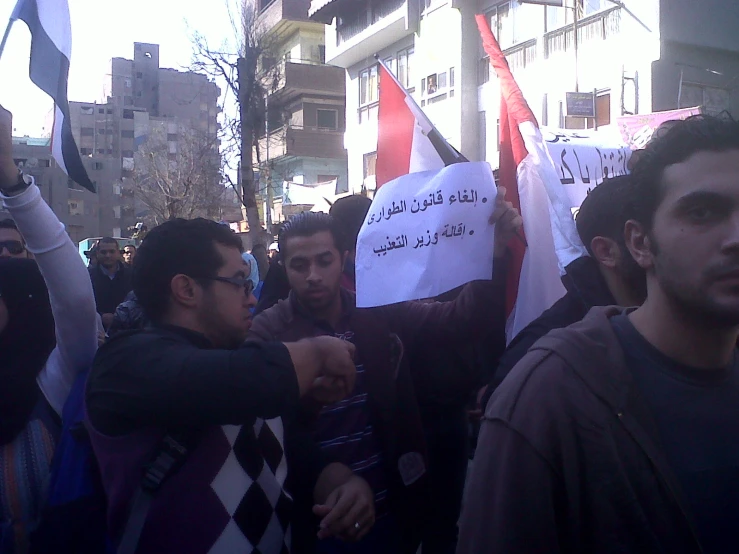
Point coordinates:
pixel 395 130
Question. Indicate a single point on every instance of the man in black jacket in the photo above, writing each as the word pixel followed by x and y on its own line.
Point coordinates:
pixel 609 276
pixel 111 279
pixel 188 374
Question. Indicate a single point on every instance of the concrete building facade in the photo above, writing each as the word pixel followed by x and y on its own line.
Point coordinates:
pixel 635 57
pixel 143 95
pixel 303 141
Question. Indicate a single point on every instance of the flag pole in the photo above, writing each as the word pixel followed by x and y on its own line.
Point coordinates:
pixel 6 35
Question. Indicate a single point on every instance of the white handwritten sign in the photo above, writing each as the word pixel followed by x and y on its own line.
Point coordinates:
pixel 425 234
pixel 584 158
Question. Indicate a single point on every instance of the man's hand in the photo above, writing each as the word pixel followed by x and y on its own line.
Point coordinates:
pixel 107 320
pixel 338 373
pixel 328 390
pixel 507 222
pixel 8 170
pixel 326 363
pixel 349 511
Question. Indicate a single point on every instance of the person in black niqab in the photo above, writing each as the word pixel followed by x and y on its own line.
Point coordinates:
pixel 26 342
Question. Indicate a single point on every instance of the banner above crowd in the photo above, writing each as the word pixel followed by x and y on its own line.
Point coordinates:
pixel 637 130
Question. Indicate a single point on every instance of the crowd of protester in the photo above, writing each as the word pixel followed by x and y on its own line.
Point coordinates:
pixel 187 396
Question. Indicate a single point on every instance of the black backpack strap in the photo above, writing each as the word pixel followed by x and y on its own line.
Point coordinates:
pixel 169 457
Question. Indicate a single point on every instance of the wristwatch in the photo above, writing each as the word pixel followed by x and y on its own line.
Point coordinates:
pixel 24 181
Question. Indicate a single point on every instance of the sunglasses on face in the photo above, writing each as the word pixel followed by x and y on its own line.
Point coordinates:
pixel 15 247
pixel 241 282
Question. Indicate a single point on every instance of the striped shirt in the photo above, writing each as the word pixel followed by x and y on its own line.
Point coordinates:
pixel 344 431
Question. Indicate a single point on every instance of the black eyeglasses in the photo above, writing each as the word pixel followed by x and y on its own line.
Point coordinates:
pixel 242 282
pixel 15 247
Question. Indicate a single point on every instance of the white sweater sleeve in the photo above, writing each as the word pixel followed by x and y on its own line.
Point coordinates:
pixel 70 292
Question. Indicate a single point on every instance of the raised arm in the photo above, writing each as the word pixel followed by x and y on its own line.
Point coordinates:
pixel 70 291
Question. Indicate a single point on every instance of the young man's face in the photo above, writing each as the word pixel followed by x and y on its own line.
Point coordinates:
pixel 109 254
pixel 11 244
pixel 225 308
pixel 314 266
pixel 694 241
pixel 128 254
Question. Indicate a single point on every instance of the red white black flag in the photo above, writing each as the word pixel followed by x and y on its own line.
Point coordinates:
pixel 51 47
pixel 407 141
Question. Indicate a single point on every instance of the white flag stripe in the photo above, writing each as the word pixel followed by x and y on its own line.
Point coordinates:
pixel 424 156
pixel 56 139
pixel 566 241
pixel 55 21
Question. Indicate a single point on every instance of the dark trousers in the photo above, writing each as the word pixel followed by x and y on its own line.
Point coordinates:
pixel 448 447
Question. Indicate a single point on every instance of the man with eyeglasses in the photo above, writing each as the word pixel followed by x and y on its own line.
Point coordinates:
pixel 12 244
pixel 189 373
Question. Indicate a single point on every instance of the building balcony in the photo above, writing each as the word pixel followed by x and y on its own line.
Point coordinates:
pixel 303 77
pixel 303 142
pixel 278 16
pixel 367 26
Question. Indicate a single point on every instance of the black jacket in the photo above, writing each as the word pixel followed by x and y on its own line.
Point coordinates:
pixel 110 292
pixel 586 288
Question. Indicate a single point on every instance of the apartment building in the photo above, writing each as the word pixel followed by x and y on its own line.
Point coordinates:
pixel 142 96
pixel 303 141
pixel 633 56
pixel 77 208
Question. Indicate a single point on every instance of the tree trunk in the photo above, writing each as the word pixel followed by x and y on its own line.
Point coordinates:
pixel 246 75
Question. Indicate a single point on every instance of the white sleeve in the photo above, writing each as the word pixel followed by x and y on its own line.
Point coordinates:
pixel 70 292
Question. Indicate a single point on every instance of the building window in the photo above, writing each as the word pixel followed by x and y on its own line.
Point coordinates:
pixel 109 131
pixel 44 163
pixel 327 119
pixel 109 111
pixel 171 137
pixel 87 110
pixel 369 91
pixel 101 151
pixel 714 100
pixel 139 75
pixel 451 77
pixel 405 62
pixel 128 101
pixel 127 154
pixel 327 178
pixel 101 111
pixel 86 151
pixel 87 132
pixel 128 83
pixel 101 131
pixel 127 134
pixel 97 166
pixel 127 114
pixel 76 207
pixel 370 164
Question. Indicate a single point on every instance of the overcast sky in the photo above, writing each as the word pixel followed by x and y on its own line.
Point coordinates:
pixel 101 30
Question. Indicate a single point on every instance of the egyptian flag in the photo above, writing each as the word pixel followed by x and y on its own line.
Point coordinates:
pixel 51 47
pixel 407 141
pixel 533 186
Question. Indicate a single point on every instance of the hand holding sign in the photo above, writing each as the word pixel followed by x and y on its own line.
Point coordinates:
pixel 507 222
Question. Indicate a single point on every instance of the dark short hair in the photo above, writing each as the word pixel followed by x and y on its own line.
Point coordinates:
pixel 308 224
pixel 107 240
pixel 605 211
pixel 178 246
pixel 8 223
pixel 700 133
pixel 258 246
pixel 128 246
pixel 350 212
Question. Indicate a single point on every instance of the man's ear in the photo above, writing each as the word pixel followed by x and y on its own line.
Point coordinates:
pixel 605 251
pixel 185 291
pixel 639 244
